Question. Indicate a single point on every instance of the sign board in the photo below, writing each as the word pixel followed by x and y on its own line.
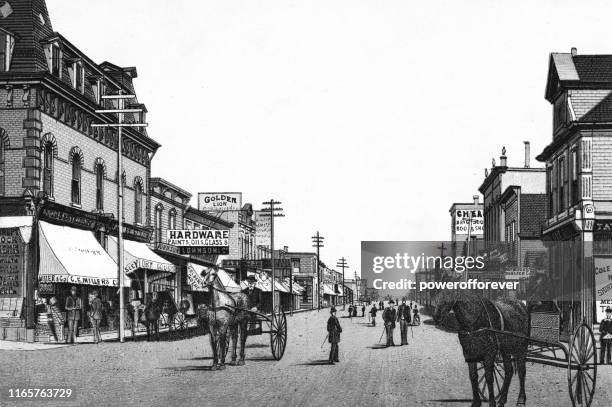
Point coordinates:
pixel 463 218
pixel 199 241
pixel 603 278
pixel 600 308
pixel 11 262
pixel 220 201
pixel 195 281
pixel 263 228
pixel 521 273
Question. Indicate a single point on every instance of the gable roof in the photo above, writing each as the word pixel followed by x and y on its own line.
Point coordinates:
pixel 577 71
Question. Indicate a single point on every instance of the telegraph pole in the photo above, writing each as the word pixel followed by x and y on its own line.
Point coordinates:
pixel 317 241
pixel 273 211
pixel 343 265
pixel 120 111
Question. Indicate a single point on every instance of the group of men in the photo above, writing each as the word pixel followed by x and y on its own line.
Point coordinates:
pixel 73 307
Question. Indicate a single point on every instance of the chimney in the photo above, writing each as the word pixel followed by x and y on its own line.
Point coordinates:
pixel 574 51
pixel 503 160
pixel 476 199
pixel 527 153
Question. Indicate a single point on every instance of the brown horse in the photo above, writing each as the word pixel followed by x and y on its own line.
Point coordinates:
pixel 476 314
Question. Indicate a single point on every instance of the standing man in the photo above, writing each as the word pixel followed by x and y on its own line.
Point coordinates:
pixel 389 318
pixel 252 294
pixel 73 311
pixel 95 315
pixel 403 317
pixel 605 337
pixel 373 312
pixel 362 310
pixel 333 332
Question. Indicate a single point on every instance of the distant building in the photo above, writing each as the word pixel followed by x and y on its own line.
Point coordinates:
pixel 467 227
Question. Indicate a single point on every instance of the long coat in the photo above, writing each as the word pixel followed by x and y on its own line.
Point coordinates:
pixel 404 311
pixel 605 327
pixel 334 329
pixel 389 316
pixel 95 311
pixel 73 308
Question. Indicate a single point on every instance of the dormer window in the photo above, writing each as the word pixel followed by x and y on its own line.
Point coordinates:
pixel 79 76
pixel 55 60
pixel 7 43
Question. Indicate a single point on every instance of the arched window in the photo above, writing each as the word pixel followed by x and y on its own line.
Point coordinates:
pixel 138 203
pixel 99 186
pixel 3 147
pixel 47 172
pixel 172 220
pixel 76 179
pixel 158 224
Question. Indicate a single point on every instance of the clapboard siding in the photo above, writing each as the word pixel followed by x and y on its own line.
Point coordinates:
pixel 602 167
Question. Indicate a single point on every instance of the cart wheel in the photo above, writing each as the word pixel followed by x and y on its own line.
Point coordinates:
pixel 278 334
pixel 180 323
pixel 582 366
pixel 498 379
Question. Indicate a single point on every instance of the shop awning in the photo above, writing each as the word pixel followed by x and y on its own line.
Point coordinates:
pixel 195 278
pixel 24 223
pixel 74 256
pixel 263 282
pixel 138 256
pixel 328 289
pixel 297 289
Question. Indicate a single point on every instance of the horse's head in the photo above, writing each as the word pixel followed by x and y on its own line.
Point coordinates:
pixel 445 302
pixel 210 276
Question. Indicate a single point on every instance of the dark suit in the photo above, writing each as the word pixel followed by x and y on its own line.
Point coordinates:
pixel 403 317
pixel 333 330
pixel 389 317
pixel 605 328
pixel 373 311
pixel 73 314
pixel 95 315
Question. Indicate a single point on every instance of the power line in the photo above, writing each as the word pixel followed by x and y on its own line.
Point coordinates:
pixel 343 265
pixel 317 241
pixel 271 210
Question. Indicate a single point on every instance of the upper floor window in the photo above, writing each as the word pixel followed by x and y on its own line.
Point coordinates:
pixel 99 186
pixel 79 76
pixel 172 220
pixel 158 224
pixel 76 179
pixel 574 177
pixel 138 203
pixel 56 60
pixel 7 43
pixel 2 166
pixel 47 170
pixel 560 112
pixel 562 184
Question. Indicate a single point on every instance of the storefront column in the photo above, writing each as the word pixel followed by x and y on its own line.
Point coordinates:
pixel 145 289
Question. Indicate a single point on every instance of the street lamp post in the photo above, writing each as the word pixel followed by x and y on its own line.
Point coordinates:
pixel 120 111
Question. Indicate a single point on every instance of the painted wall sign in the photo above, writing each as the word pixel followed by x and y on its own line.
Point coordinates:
pixel 463 218
pixel 219 201
pixel 11 262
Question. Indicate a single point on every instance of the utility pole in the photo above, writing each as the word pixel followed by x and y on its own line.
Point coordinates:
pixel 120 111
pixel 343 265
pixel 317 241
pixel 273 211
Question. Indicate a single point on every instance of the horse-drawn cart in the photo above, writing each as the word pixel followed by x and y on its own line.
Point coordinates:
pixel 275 324
pixel 577 354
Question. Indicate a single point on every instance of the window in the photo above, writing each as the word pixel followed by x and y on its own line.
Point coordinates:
pixel 47 171
pixel 56 58
pixel 2 167
pixel 188 224
pixel 7 43
pixel 562 184
pixel 76 179
pixel 158 224
pixel 172 219
pixel 138 203
pixel 99 186
pixel 574 177
pixel 79 77
pixel 549 190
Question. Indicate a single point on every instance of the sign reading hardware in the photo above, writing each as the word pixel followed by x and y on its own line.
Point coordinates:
pixel 198 238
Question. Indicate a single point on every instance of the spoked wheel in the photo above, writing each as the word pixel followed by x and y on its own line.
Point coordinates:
pixel 278 334
pixel 498 379
pixel 180 324
pixel 582 366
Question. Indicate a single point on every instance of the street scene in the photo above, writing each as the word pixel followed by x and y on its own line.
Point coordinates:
pixel 289 203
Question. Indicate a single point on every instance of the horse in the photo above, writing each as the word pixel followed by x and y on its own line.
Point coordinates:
pixel 150 316
pixel 474 314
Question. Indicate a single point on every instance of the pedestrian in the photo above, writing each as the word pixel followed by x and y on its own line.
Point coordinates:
pixel 373 312
pixel 350 311
pixel 362 310
pixel 403 317
pixel 95 315
pixel 416 320
pixel 58 318
pixel 389 319
pixel 73 309
pixel 355 310
pixel 605 338
pixel 333 332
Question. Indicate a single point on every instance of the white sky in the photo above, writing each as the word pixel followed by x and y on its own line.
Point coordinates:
pixel 367 119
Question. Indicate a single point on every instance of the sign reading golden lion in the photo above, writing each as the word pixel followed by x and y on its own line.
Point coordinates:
pixel 220 201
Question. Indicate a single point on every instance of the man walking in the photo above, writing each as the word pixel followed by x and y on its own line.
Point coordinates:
pixel 605 337
pixel 403 317
pixel 389 318
pixel 373 312
pixel 95 315
pixel 73 311
pixel 333 333
pixel 362 310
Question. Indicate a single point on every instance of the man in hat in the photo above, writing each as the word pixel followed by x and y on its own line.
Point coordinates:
pixel 389 317
pixel 605 337
pixel 333 333
pixel 403 317
pixel 95 315
pixel 252 293
pixel 373 312
pixel 73 310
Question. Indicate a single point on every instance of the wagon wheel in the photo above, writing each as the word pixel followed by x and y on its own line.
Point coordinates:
pixel 180 323
pixel 498 379
pixel 582 366
pixel 278 334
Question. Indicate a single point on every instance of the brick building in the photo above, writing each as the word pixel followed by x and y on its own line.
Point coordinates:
pixel 514 209
pixel 58 173
pixel 579 183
